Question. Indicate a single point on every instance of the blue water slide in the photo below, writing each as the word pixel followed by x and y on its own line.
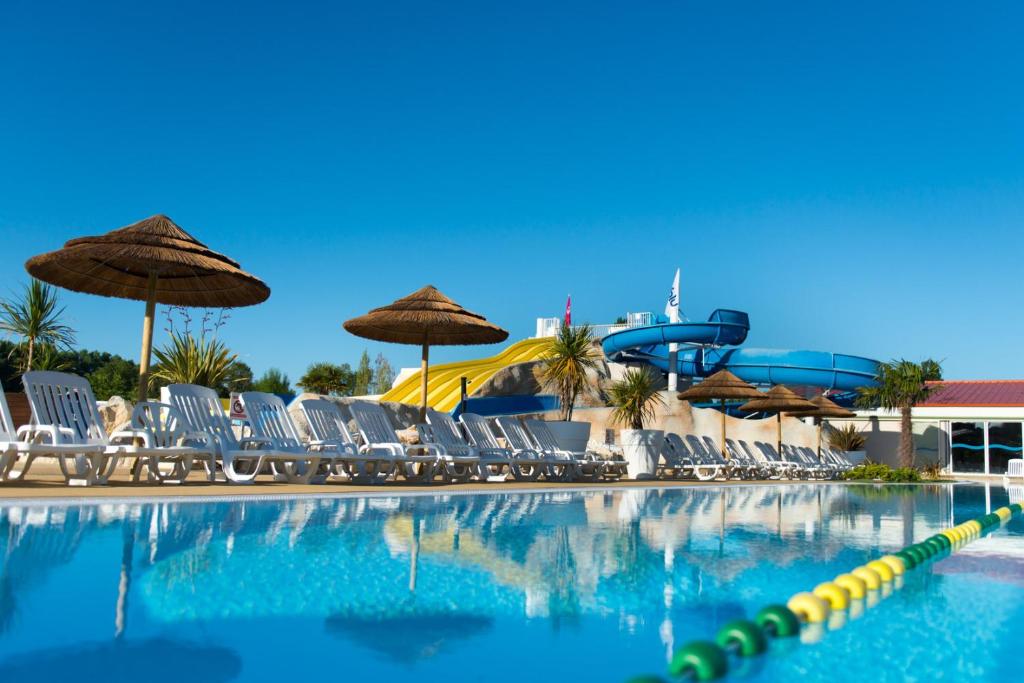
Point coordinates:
pixel 701 353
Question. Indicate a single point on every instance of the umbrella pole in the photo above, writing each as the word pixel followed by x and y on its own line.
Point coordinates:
pixel 778 429
pixel 821 423
pixel 147 338
pixel 725 451
pixel 423 381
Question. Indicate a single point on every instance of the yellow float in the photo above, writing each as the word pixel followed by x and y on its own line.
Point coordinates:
pixel 837 597
pixel 894 563
pixel 809 607
pixel 854 585
pixel 869 576
pixel 884 572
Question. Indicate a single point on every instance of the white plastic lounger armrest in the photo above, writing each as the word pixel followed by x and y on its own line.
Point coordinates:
pixel 394 450
pixel 31 433
pixel 199 440
pixel 130 435
pixel 428 448
pixel 247 443
pixel 494 453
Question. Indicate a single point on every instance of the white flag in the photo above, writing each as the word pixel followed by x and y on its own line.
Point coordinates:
pixel 672 305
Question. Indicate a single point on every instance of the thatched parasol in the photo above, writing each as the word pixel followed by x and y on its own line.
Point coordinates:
pixel 778 400
pixel 824 409
pixel 426 318
pixel 154 261
pixel 720 386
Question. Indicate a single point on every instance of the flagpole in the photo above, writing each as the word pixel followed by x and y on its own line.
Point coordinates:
pixel 672 309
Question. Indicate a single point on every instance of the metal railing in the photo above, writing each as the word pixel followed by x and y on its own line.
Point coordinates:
pixel 548 327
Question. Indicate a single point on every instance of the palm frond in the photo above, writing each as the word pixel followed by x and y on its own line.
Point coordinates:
pixel 566 362
pixel 635 398
pixel 35 319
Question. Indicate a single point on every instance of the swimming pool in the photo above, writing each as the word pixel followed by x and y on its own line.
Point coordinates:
pixel 600 585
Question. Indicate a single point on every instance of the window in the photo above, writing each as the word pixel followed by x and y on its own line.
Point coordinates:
pixel 967 442
pixel 1004 442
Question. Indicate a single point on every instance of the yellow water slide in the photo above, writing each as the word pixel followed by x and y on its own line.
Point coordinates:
pixel 444 388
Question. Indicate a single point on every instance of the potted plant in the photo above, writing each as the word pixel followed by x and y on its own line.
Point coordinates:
pixel 635 398
pixel 848 439
pixel 563 371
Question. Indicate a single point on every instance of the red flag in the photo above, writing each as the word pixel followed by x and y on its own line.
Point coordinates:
pixel 568 311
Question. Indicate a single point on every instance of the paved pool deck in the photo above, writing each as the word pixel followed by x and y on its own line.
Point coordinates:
pixel 45 481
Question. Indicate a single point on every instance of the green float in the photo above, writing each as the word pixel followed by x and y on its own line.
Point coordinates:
pixel 779 621
pixel 908 558
pixel 705 661
pixel 746 636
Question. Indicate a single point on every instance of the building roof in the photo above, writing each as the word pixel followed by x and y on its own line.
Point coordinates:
pixel 976 393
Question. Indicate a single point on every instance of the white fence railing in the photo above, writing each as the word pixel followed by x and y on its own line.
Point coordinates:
pixel 548 327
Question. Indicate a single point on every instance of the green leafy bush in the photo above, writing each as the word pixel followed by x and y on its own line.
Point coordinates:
pixel 871 471
pixel 846 438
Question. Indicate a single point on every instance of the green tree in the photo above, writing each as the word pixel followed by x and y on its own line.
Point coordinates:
pixel 238 378
pixel 35 318
pixel 635 398
pixel 326 379
pixel 273 381
pixel 116 377
pixel 902 384
pixel 363 376
pixel 9 375
pixel 565 364
pixel 383 375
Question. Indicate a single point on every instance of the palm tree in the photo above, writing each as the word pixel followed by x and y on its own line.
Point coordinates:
pixel 188 360
pixel 564 367
pixel 902 384
pixel 635 398
pixel 35 318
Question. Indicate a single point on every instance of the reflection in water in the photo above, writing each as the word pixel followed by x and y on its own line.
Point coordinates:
pixel 153 661
pixel 408 639
pixel 410 579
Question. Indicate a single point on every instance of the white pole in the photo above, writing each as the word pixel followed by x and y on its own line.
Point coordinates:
pixel 672 309
pixel 673 366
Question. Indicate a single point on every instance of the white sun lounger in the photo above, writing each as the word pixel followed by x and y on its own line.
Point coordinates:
pixel 416 462
pixel 589 465
pixel 329 430
pixel 491 465
pixel 690 463
pixel 66 425
pixel 557 466
pixel 525 465
pixel 713 456
pixel 269 420
pixel 241 459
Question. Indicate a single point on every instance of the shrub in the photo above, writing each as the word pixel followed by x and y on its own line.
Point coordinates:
pixel 635 398
pixel 871 471
pixel 846 438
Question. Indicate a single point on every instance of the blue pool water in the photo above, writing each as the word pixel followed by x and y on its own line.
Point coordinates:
pixel 592 585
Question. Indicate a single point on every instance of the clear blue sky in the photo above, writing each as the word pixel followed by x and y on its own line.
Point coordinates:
pixel 850 175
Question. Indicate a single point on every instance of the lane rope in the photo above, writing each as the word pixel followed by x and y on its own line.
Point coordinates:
pixel 807 614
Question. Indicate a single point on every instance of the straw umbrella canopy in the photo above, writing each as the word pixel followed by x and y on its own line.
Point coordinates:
pixel 778 400
pixel 824 409
pixel 721 386
pixel 425 318
pixel 154 261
